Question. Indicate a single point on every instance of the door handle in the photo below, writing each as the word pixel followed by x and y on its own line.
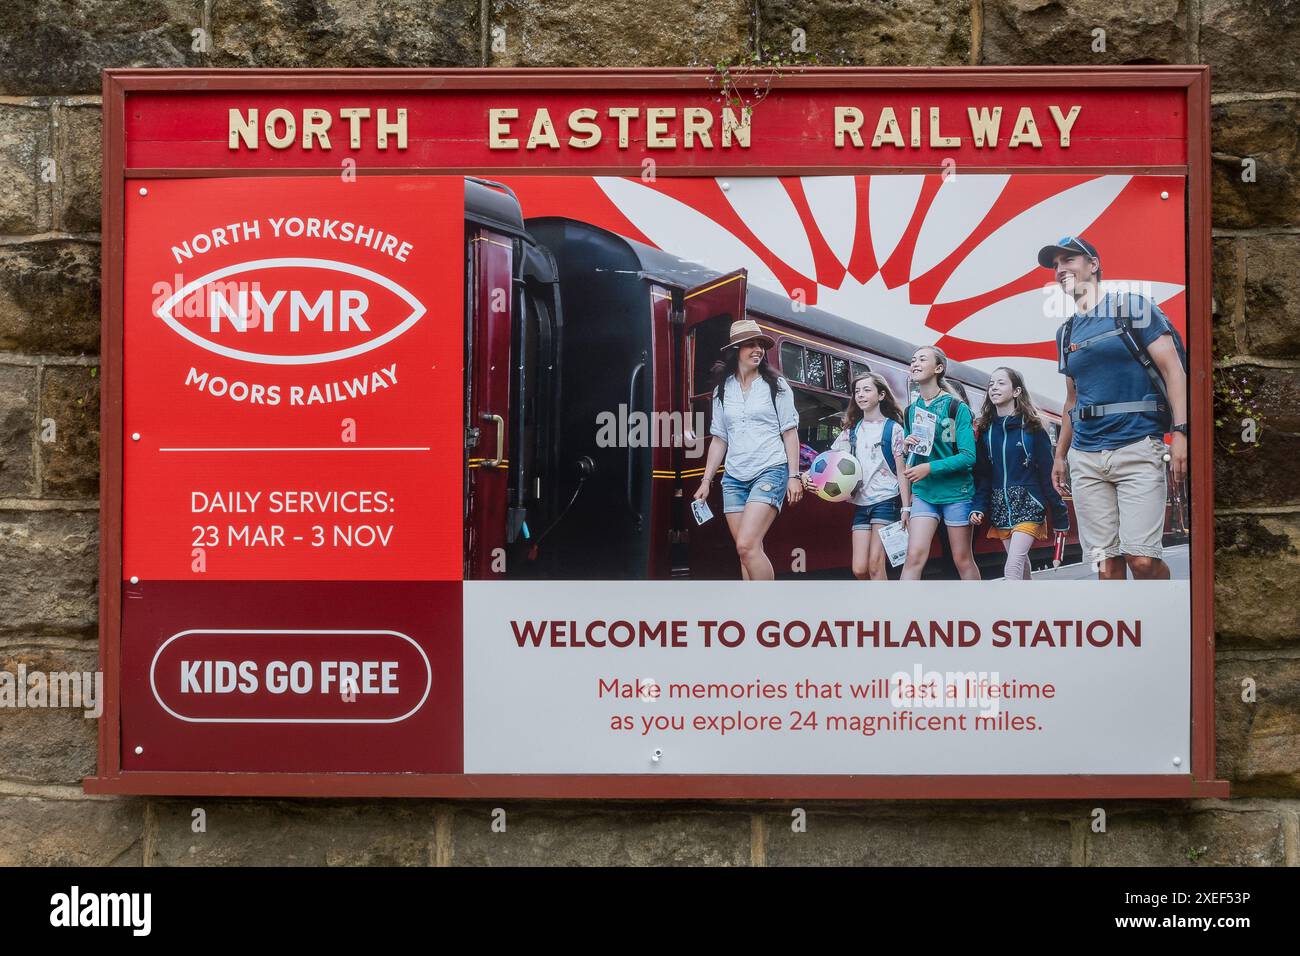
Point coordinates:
pixel 631 405
pixel 501 439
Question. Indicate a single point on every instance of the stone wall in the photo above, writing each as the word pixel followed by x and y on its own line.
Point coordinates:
pixel 50 57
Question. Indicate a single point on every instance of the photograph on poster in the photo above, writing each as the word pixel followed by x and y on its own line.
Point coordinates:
pixel 973 376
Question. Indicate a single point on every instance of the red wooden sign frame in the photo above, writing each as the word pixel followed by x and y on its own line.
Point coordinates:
pixel 1189 84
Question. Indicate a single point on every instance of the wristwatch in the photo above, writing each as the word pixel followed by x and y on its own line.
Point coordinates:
pixel 1181 429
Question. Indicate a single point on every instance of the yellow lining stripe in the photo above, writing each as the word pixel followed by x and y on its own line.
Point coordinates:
pixel 715 285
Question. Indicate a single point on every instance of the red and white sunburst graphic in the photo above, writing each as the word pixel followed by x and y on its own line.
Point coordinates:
pixel 930 259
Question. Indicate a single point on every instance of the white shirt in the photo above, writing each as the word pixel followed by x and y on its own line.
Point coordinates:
pixel 878 482
pixel 752 427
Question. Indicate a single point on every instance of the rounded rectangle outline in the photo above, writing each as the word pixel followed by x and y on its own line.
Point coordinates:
pixel 153 686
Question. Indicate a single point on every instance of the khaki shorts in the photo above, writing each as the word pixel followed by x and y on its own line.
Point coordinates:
pixel 1119 499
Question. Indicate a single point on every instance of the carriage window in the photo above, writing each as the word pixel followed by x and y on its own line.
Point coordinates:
pixel 858 369
pixel 819 418
pixel 703 345
pixel 814 368
pixel 706 342
pixel 839 375
pixel 792 361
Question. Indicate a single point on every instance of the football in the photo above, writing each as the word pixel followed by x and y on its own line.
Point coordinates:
pixel 835 475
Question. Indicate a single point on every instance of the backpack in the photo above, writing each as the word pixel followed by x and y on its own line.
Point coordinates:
pixel 1124 329
pixel 886 443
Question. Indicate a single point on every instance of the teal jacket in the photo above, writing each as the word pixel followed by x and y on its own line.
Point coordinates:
pixel 952 458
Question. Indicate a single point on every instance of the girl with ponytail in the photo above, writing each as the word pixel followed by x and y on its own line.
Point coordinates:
pixel 942 480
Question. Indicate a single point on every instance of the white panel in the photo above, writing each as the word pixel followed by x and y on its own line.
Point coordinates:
pixel 1114 709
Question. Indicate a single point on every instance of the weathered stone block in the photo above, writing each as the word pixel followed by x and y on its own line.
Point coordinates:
pixel 1262 472
pixel 599 837
pixel 1189 836
pixel 923 836
pixel 1258 742
pixel 25 155
pixel 70 415
pixel 1256 563
pixel 61 47
pixel 49 297
pixel 896 33
pixel 1271 324
pixel 35 831
pixel 1251 44
pixel 17 425
pixel 49 563
pixel 352 33
pixel 83 164
pixel 1045 31
pixel 285 833
pixel 1267 132
pixel 50 745
pixel 617 33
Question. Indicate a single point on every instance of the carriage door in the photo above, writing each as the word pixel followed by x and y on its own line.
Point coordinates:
pixel 487 408
pixel 707 313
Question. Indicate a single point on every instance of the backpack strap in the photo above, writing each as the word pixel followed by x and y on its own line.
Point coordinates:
pixel 887 445
pixel 1124 328
pixel 1061 361
pixel 949 409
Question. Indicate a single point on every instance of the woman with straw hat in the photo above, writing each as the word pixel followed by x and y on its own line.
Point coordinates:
pixel 755 430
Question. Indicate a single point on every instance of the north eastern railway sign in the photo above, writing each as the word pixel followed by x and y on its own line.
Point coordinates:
pixel 587 433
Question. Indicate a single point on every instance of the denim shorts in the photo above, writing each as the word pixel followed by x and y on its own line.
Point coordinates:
pixel 882 512
pixel 768 486
pixel 955 514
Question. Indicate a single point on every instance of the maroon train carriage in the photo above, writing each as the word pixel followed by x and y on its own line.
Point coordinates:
pixel 598 329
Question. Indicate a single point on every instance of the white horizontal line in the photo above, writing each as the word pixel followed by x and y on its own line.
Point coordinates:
pixel 322 448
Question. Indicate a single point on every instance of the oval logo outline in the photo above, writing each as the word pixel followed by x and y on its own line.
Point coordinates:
pixel 165 311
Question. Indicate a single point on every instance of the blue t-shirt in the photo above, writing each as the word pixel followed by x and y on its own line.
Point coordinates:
pixel 1106 372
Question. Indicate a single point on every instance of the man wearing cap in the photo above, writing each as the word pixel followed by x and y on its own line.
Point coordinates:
pixel 1126 386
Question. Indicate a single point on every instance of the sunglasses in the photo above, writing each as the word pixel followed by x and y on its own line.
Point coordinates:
pixel 1073 242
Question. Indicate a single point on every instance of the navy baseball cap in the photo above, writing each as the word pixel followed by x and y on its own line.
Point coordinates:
pixel 1071 245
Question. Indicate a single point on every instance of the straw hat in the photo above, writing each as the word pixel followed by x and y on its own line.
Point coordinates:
pixel 746 330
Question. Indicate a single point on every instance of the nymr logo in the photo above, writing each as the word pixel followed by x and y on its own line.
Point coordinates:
pixel 76 908
pixel 290 311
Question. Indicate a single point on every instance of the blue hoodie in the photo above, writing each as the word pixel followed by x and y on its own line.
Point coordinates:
pixel 1013 476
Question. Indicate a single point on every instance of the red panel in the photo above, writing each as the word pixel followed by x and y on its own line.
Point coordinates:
pixel 270 715
pixel 449 129
pixel 282 442
pixel 489 411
